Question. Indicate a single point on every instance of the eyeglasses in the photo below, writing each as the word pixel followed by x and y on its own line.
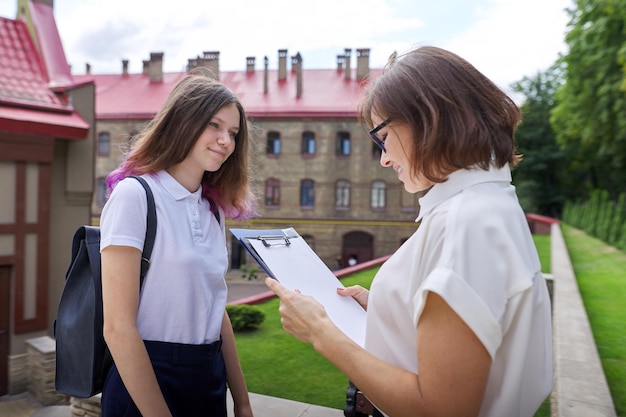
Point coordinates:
pixel 374 134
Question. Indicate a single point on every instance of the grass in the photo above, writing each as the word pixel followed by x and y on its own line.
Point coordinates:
pixel 600 271
pixel 277 364
pixel 542 243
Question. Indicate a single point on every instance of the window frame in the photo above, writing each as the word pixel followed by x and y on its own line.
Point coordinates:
pixel 378 195
pixel 273 144
pixel 307 193
pixel 343 141
pixel 272 193
pixel 104 143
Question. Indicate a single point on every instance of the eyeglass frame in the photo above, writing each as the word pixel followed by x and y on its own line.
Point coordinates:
pixel 375 138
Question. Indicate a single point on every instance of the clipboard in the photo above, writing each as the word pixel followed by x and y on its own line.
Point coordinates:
pixel 285 256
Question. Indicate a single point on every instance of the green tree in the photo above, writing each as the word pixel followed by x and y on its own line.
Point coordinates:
pixel 589 116
pixel 540 178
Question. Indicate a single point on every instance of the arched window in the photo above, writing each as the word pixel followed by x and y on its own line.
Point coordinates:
pixel 308 143
pixel 307 193
pixel 273 143
pixel 343 144
pixel 272 192
pixel 378 194
pixel 104 144
pixel 342 194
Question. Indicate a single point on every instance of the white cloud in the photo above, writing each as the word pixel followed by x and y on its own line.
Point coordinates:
pixel 514 39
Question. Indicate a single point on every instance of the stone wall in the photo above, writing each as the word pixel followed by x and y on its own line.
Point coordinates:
pixel 41 352
pixel 86 407
pixel 18 373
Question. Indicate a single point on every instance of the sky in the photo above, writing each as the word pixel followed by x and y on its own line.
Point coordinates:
pixel 505 39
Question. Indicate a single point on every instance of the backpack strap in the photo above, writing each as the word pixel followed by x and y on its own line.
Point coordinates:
pixel 214 209
pixel 150 230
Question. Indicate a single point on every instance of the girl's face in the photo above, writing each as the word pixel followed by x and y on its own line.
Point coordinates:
pixel 217 142
pixel 398 140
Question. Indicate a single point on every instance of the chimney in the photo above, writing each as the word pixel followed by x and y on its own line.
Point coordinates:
pixel 124 67
pixel 296 61
pixel 146 67
pixel 362 63
pixel 296 64
pixel 250 64
pixel 347 70
pixel 87 68
pixel 211 60
pixel 341 59
pixel 265 71
pixel 282 64
pixel 193 63
pixel 156 67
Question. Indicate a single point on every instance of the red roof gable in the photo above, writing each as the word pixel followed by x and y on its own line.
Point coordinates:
pixel 27 102
pixel 59 73
pixel 325 93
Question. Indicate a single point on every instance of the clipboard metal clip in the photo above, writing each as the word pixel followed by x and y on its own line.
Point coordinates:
pixel 267 240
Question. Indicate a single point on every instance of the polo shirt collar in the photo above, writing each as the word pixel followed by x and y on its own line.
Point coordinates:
pixel 459 181
pixel 174 188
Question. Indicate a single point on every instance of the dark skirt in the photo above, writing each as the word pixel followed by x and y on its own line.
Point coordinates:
pixel 192 379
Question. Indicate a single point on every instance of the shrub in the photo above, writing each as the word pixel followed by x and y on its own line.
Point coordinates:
pixel 245 317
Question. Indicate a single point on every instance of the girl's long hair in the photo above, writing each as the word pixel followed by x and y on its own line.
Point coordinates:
pixel 169 137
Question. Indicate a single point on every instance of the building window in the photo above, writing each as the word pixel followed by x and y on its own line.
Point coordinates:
pixel 307 193
pixel 378 194
pixel 101 192
pixel 272 192
pixel 273 143
pixel 376 152
pixel 104 144
pixel 308 143
pixel 342 194
pixel 343 143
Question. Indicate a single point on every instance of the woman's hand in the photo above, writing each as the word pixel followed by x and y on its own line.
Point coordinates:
pixel 301 315
pixel 357 292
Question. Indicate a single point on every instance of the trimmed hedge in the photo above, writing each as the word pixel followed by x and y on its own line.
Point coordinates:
pixel 600 217
pixel 245 317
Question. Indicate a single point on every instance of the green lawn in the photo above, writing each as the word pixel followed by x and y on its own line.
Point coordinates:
pixel 600 271
pixel 278 365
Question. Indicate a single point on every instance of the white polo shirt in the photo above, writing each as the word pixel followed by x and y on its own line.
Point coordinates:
pixel 475 250
pixel 184 293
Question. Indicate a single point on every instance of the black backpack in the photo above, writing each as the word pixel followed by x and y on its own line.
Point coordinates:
pixel 82 357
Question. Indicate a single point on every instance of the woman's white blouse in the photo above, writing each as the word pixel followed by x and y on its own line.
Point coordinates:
pixel 475 250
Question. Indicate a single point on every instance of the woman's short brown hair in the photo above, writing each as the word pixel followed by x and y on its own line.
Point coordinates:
pixel 458 117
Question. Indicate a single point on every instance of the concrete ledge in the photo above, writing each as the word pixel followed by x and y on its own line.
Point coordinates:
pixel 580 388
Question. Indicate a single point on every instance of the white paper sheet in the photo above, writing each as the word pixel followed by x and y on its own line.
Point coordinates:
pixel 297 266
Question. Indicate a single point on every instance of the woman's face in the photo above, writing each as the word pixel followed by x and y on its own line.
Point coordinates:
pixel 398 140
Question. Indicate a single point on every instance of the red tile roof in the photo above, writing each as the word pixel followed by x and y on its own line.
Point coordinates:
pixel 325 93
pixel 27 101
